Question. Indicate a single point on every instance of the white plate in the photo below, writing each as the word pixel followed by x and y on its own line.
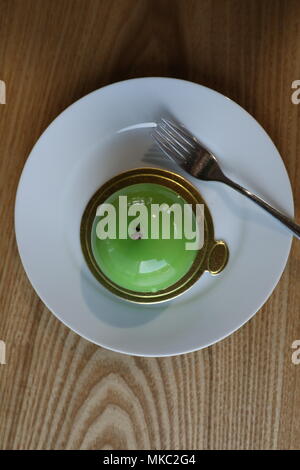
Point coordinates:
pixel 107 132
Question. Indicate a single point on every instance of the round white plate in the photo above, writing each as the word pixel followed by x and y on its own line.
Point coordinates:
pixel 107 132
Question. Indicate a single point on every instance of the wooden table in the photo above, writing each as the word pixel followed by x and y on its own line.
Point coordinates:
pixel 59 391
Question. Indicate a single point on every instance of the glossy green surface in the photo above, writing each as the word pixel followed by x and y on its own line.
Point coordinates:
pixel 143 265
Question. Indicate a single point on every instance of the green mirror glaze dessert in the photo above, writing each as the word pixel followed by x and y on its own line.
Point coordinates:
pixel 141 263
pixel 138 258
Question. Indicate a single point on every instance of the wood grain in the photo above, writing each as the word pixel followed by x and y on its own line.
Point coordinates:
pixel 59 391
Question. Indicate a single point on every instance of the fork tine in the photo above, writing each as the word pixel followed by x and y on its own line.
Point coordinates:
pixel 173 138
pixel 173 141
pixel 181 132
pixel 171 144
pixel 166 149
pixel 163 148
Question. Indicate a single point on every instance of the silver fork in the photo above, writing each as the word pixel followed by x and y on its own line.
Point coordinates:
pixel 184 149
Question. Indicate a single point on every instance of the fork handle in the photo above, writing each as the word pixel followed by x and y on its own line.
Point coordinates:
pixel 287 221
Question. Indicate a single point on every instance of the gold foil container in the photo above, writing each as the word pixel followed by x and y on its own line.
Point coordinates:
pixel 212 257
